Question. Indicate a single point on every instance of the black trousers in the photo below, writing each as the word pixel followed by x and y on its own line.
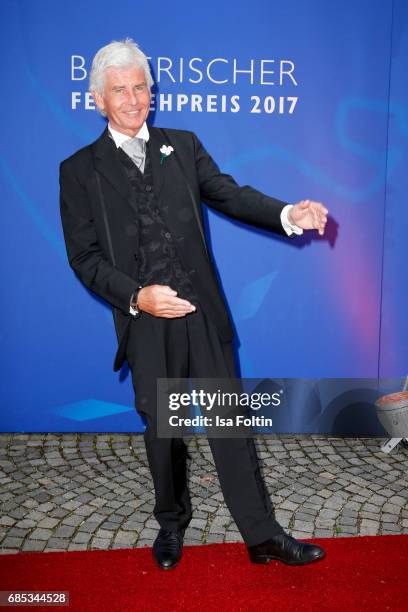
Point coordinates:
pixel 190 347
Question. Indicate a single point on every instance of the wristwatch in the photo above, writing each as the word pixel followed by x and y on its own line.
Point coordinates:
pixel 134 309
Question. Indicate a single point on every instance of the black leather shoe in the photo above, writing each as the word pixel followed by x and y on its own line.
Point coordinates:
pixel 167 548
pixel 286 549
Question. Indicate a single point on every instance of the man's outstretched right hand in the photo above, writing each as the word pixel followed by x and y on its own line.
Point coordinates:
pixel 162 301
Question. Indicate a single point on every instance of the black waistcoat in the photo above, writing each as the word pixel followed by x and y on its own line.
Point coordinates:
pixel 158 261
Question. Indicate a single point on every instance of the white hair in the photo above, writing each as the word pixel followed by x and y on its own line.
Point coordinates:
pixel 118 54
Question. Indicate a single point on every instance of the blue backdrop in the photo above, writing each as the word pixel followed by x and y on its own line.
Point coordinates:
pixel 302 99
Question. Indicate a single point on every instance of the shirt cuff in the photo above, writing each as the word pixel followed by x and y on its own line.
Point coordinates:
pixel 135 312
pixel 132 311
pixel 287 226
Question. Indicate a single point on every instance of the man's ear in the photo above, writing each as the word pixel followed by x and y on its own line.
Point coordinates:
pixel 98 100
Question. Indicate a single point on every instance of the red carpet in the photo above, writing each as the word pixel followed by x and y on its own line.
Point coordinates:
pixel 361 573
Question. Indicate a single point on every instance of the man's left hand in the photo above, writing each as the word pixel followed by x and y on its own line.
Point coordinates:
pixel 308 214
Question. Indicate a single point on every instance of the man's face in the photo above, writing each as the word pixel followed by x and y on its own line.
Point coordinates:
pixel 125 100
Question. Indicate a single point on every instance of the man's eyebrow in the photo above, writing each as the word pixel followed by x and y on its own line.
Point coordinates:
pixel 135 85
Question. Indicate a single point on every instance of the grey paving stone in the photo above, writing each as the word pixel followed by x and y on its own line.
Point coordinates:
pixel 378 500
pixel 301 535
pixel 81 537
pixel 77 546
pixel 41 534
pixel 328 513
pixel 347 511
pixel 33 546
pixel 95 491
pixel 85 510
pixel 347 520
pixel 64 531
pixel 17 532
pixel 305 515
pixel 349 530
pixel 12 542
pixel 47 522
pixel 214 538
pixel 288 505
pixel 18 513
pixel 58 543
pixel 73 520
pixel 306 526
pixel 45 507
pixel 334 503
pixel 221 519
pixel 325 493
pixel 104 534
pixel 398 500
pixel 100 543
pixel 391 508
pixel 216 528
pixel 323 533
pixel 392 527
pixel 88 527
pixel 112 527
pixel 233 537
pixel 389 518
pixel 193 535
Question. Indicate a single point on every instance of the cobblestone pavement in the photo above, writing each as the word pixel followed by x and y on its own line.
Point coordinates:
pixel 85 491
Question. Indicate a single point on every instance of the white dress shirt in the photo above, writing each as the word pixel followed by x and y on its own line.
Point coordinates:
pixel 120 138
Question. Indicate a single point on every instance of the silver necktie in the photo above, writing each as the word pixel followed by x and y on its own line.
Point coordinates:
pixel 136 149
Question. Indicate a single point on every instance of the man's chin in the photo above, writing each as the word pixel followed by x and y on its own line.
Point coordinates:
pixel 134 128
pixel 129 127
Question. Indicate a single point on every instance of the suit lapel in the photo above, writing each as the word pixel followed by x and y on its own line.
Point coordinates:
pixel 108 164
pixel 159 171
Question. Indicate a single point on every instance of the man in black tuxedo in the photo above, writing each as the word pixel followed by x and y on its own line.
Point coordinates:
pixel 132 220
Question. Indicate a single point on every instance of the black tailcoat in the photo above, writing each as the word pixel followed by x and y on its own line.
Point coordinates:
pixel 99 219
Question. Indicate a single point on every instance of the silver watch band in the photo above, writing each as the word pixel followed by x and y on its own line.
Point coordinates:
pixel 133 307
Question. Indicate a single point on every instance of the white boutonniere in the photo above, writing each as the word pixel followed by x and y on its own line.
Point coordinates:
pixel 165 151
